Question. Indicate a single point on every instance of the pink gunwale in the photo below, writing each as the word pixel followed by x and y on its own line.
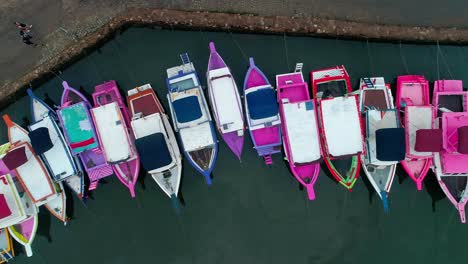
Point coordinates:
pixel 451 162
pixel 106 93
pixel 416 167
pixel 296 91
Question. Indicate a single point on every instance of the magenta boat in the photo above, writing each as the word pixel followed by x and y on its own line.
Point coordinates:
pixel 262 113
pixel 299 127
pixel 449 141
pixel 413 100
pixel 74 116
pixel 225 102
pixel 112 121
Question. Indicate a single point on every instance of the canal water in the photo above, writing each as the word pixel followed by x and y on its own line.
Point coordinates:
pixel 252 213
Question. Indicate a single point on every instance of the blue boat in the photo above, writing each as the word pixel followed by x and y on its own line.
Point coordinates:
pixel 48 141
pixel 191 117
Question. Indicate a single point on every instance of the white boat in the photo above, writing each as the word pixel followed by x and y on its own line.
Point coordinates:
pixel 11 207
pixel 191 117
pixel 155 140
pixel 24 232
pixel 28 167
pixel 385 139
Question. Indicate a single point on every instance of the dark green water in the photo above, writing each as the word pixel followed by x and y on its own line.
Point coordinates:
pixel 252 213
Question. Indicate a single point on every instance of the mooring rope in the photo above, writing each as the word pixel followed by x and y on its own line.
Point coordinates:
pixel 371 65
pixel 403 59
pixel 439 50
pixel 286 50
pixel 238 46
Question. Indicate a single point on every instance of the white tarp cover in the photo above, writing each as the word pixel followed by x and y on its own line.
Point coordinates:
pixel 148 125
pixel 112 131
pixel 416 118
pixel 341 124
pixel 301 126
pixel 226 100
pixel 196 137
pixel 58 157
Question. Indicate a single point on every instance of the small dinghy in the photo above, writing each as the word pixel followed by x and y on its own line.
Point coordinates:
pixel 449 141
pixel 155 140
pixel 29 169
pixel 340 124
pixel 225 102
pixel 262 113
pixel 299 127
pixel 48 141
pixel 58 206
pixel 11 206
pixel 7 251
pixel 112 121
pixel 413 102
pixel 24 232
pixel 191 117
pixel 385 139
pixel 80 135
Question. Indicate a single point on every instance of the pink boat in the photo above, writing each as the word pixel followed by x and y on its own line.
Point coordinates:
pixel 262 113
pixel 225 102
pixel 449 141
pixel 112 121
pixel 299 126
pixel 74 116
pixel 413 100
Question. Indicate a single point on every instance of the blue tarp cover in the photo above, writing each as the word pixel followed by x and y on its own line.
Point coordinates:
pixel 187 109
pixel 390 144
pixel 262 104
pixel 153 151
pixel 40 140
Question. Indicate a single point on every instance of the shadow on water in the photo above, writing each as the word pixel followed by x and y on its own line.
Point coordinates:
pixel 433 189
pixel 43 228
pixel 327 172
pixel 369 187
pixel 49 101
pixel 400 172
pixel 70 205
pixel 85 93
pixel 25 122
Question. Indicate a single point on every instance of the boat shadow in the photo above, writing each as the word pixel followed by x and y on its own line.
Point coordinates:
pixel 370 189
pixel 433 189
pixel 401 174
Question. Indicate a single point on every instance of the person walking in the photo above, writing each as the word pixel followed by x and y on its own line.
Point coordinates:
pixel 23 27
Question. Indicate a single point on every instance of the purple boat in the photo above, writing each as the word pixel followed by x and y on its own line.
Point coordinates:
pixel 80 134
pixel 225 102
pixel 262 113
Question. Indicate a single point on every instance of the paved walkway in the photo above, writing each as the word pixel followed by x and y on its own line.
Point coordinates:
pixel 57 23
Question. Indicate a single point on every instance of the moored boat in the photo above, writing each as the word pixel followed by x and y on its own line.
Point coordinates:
pixel 191 117
pixel 112 121
pixel 28 167
pixel 11 206
pixel 48 141
pixel 24 232
pixel 412 101
pixel 385 139
pixel 340 124
pixel 262 113
pixel 7 251
pixel 449 141
pixel 74 116
pixel 299 126
pixel 225 102
pixel 155 140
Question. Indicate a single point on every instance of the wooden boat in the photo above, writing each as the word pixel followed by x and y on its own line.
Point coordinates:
pixel 7 251
pixel 413 101
pixel 11 206
pixel 58 206
pixel 28 167
pixel 340 123
pixel 80 134
pixel 262 113
pixel 385 139
pixel 191 117
pixel 225 102
pixel 48 141
pixel 155 140
pixel 449 141
pixel 112 121
pixel 24 232
pixel 299 126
